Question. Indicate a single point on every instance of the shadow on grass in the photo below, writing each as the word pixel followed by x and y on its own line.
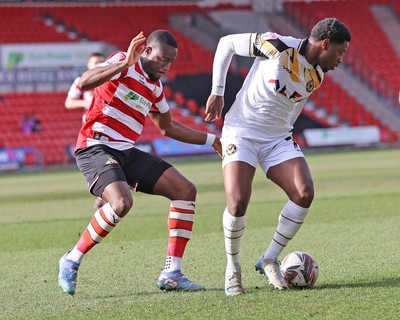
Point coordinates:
pixel 153 293
pixel 389 282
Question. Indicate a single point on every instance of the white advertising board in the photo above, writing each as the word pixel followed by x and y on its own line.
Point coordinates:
pixel 363 135
pixel 47 55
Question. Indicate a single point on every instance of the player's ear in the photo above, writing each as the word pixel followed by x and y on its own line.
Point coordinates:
pixel 325 44
pixel 148 50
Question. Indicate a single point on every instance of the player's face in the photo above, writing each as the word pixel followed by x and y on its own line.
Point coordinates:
pixel 331 55
pixel 94 62
pixel 157 60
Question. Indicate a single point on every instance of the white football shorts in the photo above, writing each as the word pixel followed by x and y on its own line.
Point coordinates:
pixel 266 154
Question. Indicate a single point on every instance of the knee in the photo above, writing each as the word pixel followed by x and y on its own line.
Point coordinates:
pixel 305 196
pixel 187 191
pixel 237 207
pixel 121 205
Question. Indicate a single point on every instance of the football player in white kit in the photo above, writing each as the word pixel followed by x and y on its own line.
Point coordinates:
pixel 257 130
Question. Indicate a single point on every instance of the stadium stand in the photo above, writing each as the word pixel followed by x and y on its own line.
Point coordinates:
pixel 187 85
pixel 52 24
pixel 335 103
pixel 378 70
pixel 59 126
pixel 43 24
pixel 28 25
pixel 128 21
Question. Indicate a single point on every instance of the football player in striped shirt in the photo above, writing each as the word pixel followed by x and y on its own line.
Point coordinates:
pixel 127 90
pixel 78 98
pixel 257 130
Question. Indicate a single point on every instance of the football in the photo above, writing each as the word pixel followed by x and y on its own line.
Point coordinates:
pixel 300 270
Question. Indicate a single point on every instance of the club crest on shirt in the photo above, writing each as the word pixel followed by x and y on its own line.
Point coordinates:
pixel 111 160
pixel 231 149
pixel 310 86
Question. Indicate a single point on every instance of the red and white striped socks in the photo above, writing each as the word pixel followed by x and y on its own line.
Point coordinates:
pixel 103 221
pixel 180 225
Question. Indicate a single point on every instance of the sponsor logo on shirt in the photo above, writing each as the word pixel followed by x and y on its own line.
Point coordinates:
pixel 143 106
pixel 131 96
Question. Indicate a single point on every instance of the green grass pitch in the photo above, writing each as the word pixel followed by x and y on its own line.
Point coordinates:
pixel 352 230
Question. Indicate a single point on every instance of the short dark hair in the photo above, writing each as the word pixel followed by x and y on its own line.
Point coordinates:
pixel 162 37
pixel 332 29
pixel 96 54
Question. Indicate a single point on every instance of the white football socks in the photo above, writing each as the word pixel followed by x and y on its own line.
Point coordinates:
pixel 234 228
pixel 290 221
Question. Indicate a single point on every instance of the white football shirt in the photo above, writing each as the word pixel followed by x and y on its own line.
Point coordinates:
pixel 275 89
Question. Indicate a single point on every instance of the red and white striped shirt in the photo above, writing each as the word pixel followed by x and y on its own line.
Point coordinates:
pixel 120 106
pixel 75 92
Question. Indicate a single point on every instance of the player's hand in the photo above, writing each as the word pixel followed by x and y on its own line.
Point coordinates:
pixel 217 146
pixel 136 48
pixel 214 107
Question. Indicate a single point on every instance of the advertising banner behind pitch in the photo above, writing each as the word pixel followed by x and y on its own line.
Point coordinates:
pixel 363 135
pixel 45 55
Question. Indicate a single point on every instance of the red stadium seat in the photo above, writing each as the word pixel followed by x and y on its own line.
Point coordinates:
pixel 380 71
pixel 180 99
pixel 192 106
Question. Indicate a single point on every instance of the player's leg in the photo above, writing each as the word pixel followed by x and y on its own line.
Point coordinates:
pixel 98 203
pixel 182 193
pixel 112 186
pixel 293 176
pixel 238 178
pixel 239 163
pixel 160 178
pixel 286 166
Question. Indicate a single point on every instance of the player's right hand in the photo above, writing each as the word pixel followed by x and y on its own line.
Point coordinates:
pixel 217 146
pixel 214 107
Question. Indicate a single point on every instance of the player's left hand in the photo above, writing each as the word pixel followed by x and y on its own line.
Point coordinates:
pixel 136 48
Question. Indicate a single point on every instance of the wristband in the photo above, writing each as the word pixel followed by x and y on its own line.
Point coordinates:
pixel 210 139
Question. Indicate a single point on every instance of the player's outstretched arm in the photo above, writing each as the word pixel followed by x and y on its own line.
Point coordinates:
pixel 178 131
pixel 72 103
pixel 101 74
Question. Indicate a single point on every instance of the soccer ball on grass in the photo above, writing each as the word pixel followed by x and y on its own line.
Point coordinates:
pixel 300 270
